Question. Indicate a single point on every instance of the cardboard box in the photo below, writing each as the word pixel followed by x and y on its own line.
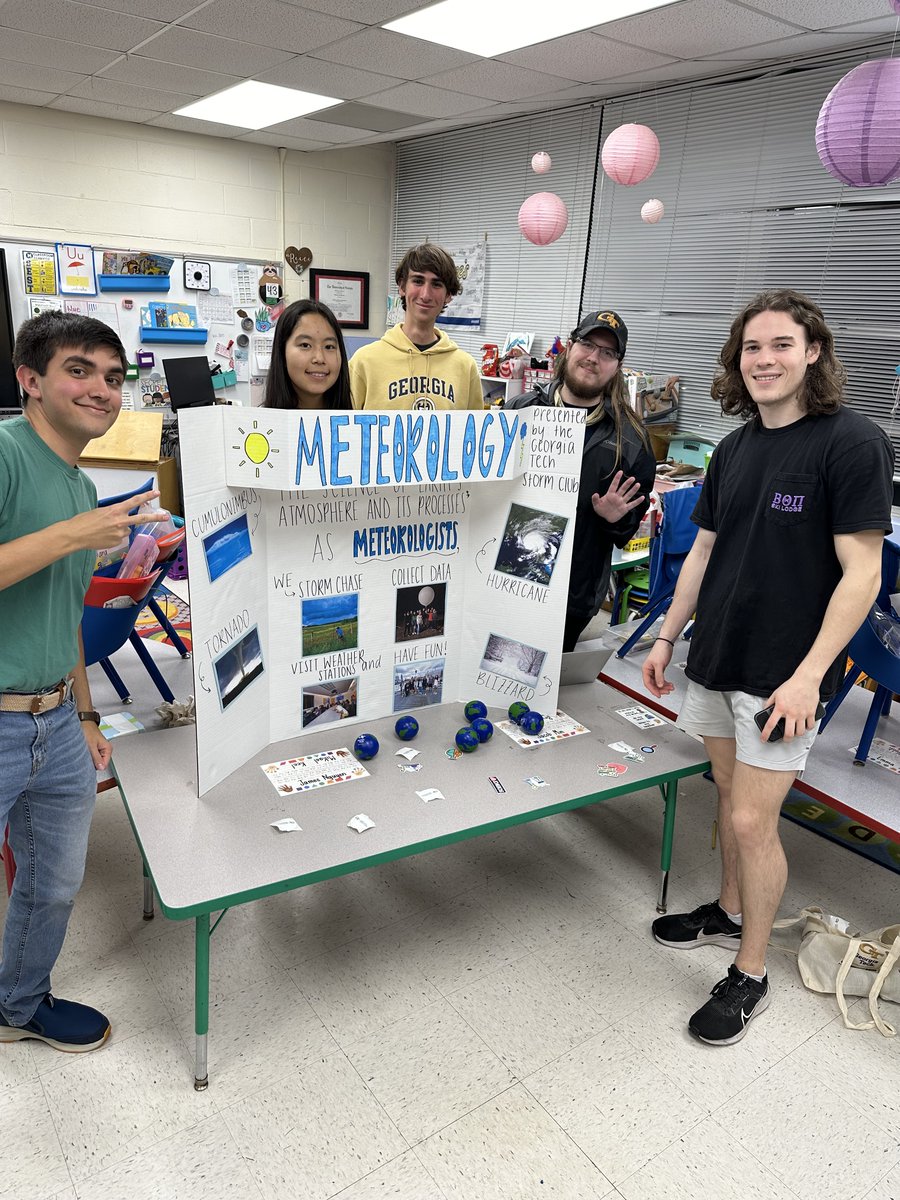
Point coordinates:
pixel 133 445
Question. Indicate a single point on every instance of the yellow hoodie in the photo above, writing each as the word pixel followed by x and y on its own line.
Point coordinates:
pixel 393 373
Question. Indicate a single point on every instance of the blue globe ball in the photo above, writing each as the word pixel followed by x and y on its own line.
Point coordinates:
pixel 475 708
pixel 467 739
pixel 366 746
pixel 406 728
pixel 517 710
pixel 483 728
pixel 532 722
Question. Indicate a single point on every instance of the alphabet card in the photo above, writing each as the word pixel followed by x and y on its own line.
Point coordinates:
pixel 347 566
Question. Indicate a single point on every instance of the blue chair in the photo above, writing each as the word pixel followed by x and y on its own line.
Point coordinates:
pixel 875 652
pixel 668 550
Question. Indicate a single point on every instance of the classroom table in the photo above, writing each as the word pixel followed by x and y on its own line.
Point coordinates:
pixel 206 855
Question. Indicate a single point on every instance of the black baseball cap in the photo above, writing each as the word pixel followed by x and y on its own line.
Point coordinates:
pixel 604 319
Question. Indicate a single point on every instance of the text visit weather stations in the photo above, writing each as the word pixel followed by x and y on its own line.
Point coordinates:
pixel 346 566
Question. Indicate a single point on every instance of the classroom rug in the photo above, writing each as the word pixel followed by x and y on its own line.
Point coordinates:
pixel 177 613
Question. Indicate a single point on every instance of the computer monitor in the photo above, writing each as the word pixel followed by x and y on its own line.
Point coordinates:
pixel 189 382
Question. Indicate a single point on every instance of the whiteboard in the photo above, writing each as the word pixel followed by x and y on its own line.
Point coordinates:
pixel 217 312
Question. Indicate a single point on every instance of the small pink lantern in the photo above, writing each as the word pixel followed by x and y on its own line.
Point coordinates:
pixel 630 154
pixel 652 211
pixel 858 130
pixel 542 162
pixel 543 218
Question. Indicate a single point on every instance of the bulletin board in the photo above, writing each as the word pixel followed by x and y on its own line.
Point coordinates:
pixel 240 345
pixel 347 566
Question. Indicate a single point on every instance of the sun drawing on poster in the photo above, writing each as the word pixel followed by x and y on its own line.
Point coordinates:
pixel 256 447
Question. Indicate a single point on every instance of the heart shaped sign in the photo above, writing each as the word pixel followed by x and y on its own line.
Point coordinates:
pixel 300 259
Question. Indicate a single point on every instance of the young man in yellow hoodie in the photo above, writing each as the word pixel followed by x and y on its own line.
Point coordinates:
pixel 416 365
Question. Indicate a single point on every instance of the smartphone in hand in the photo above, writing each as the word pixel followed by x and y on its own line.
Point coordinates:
pixel 762 717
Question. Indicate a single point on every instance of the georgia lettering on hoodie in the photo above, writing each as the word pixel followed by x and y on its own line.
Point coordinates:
pixel 421 385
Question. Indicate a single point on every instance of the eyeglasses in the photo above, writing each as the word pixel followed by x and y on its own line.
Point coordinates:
pixel 605 352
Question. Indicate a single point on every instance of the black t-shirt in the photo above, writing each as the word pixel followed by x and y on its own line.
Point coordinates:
pixel 775 498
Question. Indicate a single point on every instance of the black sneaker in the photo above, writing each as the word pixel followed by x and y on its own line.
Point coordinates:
pixel 733 1003
pixel 62 1024
pixel 705 926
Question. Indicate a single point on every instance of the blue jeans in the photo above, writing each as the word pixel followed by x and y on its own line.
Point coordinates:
pixel 48 786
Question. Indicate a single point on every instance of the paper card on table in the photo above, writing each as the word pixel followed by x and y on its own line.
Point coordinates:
pixel 407 766
pixel 643 718
pixel 407 752
pixel 535 781
pixel 555 729
pixel 361 823
pixel 287 825
pixel 313 771
pixel 428 794
pixel 117 724
pixel 883 754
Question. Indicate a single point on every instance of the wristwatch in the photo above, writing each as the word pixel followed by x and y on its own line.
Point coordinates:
pixel 90 716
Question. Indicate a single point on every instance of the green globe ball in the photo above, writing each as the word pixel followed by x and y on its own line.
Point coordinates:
pixel 467 739
pixel 406 728
pixel 532 722
pixel 366 746
pixel 483 728
pixel 475 708
pixel 517 710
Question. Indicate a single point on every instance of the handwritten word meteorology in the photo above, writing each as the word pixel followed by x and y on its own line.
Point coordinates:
pixel 407 447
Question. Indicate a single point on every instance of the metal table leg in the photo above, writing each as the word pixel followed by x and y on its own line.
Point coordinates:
pixel 201 1001
pixel 670 796
pixel 148 895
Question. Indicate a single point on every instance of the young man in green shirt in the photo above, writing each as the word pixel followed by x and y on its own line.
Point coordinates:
pixel 71 370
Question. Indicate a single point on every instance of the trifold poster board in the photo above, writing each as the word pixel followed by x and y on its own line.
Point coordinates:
pixel 348 565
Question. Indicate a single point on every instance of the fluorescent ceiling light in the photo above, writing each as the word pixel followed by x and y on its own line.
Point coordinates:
pixel 254 105
pixel 503 25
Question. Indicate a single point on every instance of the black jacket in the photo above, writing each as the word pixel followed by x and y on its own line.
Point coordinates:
pixel 594 538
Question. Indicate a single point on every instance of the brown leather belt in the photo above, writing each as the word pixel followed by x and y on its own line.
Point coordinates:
pixel 36 702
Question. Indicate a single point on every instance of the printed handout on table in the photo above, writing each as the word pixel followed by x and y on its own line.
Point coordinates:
pixel 556 728
pixel 313 771
pixel 643 718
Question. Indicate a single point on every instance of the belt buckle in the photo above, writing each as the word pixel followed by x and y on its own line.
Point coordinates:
pixel 42 703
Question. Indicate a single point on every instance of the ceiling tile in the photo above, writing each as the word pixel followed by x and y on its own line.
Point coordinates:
pixel 95 108
pixel 191 125
pixel 800 43
pixel 113 91
pixel 261 138
pixel 78 22
pixel 394 54
pixel 367 117
pixel 25 95
pixel 886 26
pixel 149 72
pixel 368 12
pixel 584 57
pixel 23 47
pixel 270 23
pixel 498 81
pixel 822 14
pixel 426 101
pixel 210 53
pixel 23 74
pixel 332 79
pixel 156 10
pixel 320 131
pixel 695 27
pixel 671 73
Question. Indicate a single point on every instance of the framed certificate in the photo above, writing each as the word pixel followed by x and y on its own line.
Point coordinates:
pixel 345 292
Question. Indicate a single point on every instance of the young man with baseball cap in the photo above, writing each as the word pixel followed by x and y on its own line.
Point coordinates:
pixel 617 466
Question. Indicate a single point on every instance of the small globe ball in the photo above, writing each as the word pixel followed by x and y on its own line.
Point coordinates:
pixel 483 728
pixel 475 708
pixel 532 722
pixel 406 728
pixel 366 746
pixel 517 710
pixel 467 739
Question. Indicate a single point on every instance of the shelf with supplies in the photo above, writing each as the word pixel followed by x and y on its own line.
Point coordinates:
pixel 495 390
pixel 134 283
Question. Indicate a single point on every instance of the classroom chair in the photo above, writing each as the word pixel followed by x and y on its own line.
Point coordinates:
pixel 668 550
pixel 874 652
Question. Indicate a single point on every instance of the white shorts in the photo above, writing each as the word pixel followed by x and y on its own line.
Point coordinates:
pixel 706 713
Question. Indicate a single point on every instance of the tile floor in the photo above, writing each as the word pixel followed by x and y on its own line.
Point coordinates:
pixel 488 1022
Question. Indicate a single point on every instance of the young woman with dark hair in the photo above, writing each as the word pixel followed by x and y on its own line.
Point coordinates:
pixel 309 360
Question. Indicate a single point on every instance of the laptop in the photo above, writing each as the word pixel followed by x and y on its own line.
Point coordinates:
pixel 585 662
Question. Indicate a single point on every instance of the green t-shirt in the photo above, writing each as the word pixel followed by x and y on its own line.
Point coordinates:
pixel 40 615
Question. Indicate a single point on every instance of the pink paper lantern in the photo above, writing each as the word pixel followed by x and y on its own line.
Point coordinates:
pixel 542 162
pixel 858 130
pixel 543 218
pixel 895 5
pixel 652 211
pixel 630 154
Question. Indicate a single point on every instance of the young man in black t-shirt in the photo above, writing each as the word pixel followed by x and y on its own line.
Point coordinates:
pixel 784 569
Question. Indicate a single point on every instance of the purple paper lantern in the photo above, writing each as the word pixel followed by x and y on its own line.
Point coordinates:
pixel 858 130
pixel 630 154
pixel 895 5
pixel 543 218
